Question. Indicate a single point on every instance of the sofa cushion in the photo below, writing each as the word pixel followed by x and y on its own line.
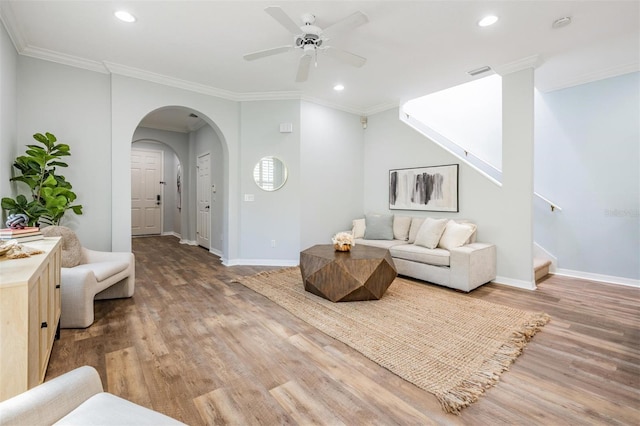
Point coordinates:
pixel 378 227
pixel 107 409
pixel 414 253
pixel 456 234
pixel 104 270
pixel 71 247
pixel 430 232
pixel 416 223
pixel 358 227
pixel 380 243
pixel 401 225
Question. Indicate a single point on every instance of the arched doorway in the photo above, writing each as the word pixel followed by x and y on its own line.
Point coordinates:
pixel 188 135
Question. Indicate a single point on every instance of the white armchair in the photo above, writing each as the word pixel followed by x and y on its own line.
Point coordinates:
pixel 76 398
pixel 89 275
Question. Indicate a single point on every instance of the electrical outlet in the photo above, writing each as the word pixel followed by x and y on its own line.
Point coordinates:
pixel 273 243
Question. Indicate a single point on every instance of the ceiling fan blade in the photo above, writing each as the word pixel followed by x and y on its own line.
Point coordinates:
pixel 278 14
pixel 346 57
pixel 350 22
pixel 267 52
pixel 303 68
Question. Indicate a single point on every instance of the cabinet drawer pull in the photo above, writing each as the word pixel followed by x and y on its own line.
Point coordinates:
pixel 44 325
pixel 57 285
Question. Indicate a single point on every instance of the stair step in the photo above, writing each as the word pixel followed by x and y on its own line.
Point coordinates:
pixel 541 268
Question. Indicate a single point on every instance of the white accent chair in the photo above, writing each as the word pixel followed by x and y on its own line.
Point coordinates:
pixel 76 398
pixel 89 275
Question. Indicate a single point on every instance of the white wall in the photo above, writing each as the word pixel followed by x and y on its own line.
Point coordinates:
pixel 74 104
pixel 587 160
pixel 332 172
pixel 206 140
pixel 8 131
pixel 272 215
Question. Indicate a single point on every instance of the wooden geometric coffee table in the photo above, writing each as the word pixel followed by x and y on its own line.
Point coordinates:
pixel 364 273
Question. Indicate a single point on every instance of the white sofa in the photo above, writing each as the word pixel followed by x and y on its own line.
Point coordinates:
pixel 463 264
pixel 89 275
pixel 76 398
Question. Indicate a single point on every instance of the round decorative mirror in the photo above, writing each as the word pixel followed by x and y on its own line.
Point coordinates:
pixel 270 173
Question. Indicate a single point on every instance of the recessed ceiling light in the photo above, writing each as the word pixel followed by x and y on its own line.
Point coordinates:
pixel 488 20
pixel 125 16
pixel 338 87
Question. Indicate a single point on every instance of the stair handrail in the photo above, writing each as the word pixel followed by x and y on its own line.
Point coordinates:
pixel 553 205
pixel 490 171
pixel 487 169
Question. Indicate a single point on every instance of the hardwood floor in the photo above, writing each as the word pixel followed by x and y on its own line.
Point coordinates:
pixel 196 346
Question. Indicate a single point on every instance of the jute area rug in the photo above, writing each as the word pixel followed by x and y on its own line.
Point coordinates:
pixel 446 343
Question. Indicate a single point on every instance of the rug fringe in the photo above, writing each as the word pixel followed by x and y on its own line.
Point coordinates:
pixel 468 392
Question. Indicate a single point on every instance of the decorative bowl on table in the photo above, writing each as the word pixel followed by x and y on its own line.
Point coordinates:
pixel 343 241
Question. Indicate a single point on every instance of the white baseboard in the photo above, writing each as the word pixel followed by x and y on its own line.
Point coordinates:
pixel 610 279
pixel 511 282
pixel 215 252
pixel 189 242
pixel 260 262
pixel 172 234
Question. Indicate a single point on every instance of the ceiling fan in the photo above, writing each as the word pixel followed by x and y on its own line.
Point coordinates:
pixel 311 39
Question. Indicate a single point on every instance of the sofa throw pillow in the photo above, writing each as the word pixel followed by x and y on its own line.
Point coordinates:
pixel 378 227
pixel 358 227
pixel 416 223
pixel 71 247
pixel 430 232
pixel 456 234
pixel 401 225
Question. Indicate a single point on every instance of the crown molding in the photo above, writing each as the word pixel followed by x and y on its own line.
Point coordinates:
pixel 375 109
pixel 8 18
pixel 593 76
pixel 532 61
pixel 64 59
pixel 139 74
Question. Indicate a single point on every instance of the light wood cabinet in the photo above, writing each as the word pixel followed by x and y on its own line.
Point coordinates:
pixel 29 316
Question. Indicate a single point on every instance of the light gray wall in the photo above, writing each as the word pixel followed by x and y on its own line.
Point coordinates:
pixel 390 144
pixel 8 130
pixel 272 215
pixel 331 172
pixel 587 160
pixel 74 104
pixel 206 140
pixel 515 261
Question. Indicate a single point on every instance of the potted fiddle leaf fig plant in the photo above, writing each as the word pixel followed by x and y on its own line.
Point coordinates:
pixel 51 194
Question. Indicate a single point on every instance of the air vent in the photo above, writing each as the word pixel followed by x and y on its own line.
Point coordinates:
pixel 479 71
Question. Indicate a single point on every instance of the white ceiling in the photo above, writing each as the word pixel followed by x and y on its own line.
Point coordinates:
pixel 412 47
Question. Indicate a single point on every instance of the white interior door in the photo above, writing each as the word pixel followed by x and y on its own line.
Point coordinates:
pixel 146 192
pixel 203 185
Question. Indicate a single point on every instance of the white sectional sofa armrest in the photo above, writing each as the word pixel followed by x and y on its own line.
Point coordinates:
pixel 51 401
pixel 472 265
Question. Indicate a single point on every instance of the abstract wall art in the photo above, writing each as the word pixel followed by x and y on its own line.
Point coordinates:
pixel 432 188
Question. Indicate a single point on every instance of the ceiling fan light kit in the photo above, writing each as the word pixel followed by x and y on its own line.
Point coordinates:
pixel 311 39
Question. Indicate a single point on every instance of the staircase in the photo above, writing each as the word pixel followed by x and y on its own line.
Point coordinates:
pixel 541 268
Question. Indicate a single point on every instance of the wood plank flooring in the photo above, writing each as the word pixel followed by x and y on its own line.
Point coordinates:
pixel 196 346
